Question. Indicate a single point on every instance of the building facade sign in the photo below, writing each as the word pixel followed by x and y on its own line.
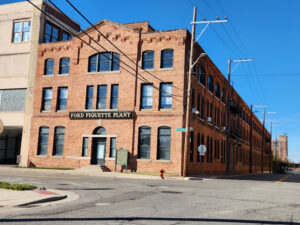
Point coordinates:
pixel 95 115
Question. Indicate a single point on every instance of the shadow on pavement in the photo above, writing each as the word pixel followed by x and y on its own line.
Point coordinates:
pixel 231 221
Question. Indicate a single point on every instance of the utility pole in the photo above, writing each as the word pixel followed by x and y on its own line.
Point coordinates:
pixel 187 114
pixel 228 112
pixel 251 135
pixel 191 65
pixel 263 142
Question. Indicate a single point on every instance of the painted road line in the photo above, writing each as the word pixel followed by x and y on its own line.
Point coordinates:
pixel 282 179
pixel 53 177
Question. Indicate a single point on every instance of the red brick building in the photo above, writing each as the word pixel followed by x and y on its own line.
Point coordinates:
pixel 91 102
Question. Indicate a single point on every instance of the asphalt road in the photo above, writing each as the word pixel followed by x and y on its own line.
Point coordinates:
pixel 255 199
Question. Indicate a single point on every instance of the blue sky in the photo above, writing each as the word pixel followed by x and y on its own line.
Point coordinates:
pixel 268 30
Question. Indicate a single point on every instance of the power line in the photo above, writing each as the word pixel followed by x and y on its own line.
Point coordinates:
pixel 77 36
pixel 91 24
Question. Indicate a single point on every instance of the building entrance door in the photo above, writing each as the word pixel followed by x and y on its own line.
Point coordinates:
pixel 98 153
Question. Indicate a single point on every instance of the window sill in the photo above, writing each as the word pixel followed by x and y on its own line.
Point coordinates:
pixel 144 160
pixel 62 110
pixel 100 110
pixel 169 68
pixel 201 84
pixel 78 157
pixel 41 156
pixel 63 75
pixel 57 156
pixel 146 110
pixel 21 42
pixel 45 111
pixel 148 69
pixel 103 72
pixel 163 161
pixel 110 159
pixel 48 75
pixel 210 92
pixel 165 109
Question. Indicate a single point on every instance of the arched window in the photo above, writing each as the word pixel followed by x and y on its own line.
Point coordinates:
pixel 148 60
pixel 166 60
pixel 99 131
pixel 217 90
pixel 49 67
pixel 43 140
pixel 144 142
pixel 223 95
pixel 64 65
pixel 59 138
pixel 104 61
pixel 164 143
pixel 210 83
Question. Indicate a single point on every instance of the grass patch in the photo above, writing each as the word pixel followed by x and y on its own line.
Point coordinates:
pixel 16 187
pixel 154 174
pixel 46 168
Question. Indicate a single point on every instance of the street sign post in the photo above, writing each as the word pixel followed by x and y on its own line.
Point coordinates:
pixel 201 149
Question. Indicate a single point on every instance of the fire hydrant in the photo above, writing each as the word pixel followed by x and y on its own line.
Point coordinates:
pixel 162 173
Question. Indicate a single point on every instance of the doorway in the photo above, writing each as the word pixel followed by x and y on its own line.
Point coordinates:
pixel 98 147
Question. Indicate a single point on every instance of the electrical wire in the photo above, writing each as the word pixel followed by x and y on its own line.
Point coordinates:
pixel 77 36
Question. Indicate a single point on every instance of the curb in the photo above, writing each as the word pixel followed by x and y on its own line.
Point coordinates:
pixel 50 199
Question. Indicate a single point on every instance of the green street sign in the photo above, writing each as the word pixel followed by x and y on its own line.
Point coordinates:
pixel 180 129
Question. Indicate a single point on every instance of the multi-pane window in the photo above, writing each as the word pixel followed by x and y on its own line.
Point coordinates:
pixel 192 147
pixel 51 33
pixel 164 142
pixel 85 146
pixel 62 98
pixel 64 65
pixel 43 141
pixel 105 61
pixel 210 83
pixel 202 76
pixel 202 143
pixel 58 145
pixel 166 58
pixel 101 97
pixel 144 142
pixel 207 149
pixel 166 95
pixel 198 102
pixel 21 32
pixel 89 97
pixel 148 60
pixel 49 67
pixel 112 152
pixel 47 99
pixel 147 95
pixel 114 96
pixel 66 36
pixel 217 90
pixel 193 98
pixel 198 144
pixel 223 96
pixel 202 108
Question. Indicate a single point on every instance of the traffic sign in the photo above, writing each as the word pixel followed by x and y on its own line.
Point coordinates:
pixel 180 129
pixel 201 149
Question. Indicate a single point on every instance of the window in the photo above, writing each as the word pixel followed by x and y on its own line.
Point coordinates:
pixel 47 99
pixel 144 142
pixel 59 136
pixel 66 36
pixel 198 144
pixel 202 76
pixel 198 102
pixel 85 147
pixel 112 152
pixel 62 98
pixel 210 83
pixel 223 96
pixel 217 90
pixel 105 61
pixel 89 97
pixel 148 60
pixel 101 98
pixel 164 142
pixel 49 67
pixel 166 58
pixel 207 149
pixel 64 66
pixel 21 32
pixel 147 94
pixel 192 147
pixel 51 33
pixel 202 108
pixel 202 143
pixel 193 98
pixel 43 141
pixel 114 96
pixel 166 95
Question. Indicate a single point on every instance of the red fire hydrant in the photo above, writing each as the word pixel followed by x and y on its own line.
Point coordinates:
pixel 162 173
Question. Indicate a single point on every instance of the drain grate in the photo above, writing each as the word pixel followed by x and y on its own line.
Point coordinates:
pixel 172 192
pixel 27 206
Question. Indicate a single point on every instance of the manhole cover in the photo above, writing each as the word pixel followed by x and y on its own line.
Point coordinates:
pixel 172 192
